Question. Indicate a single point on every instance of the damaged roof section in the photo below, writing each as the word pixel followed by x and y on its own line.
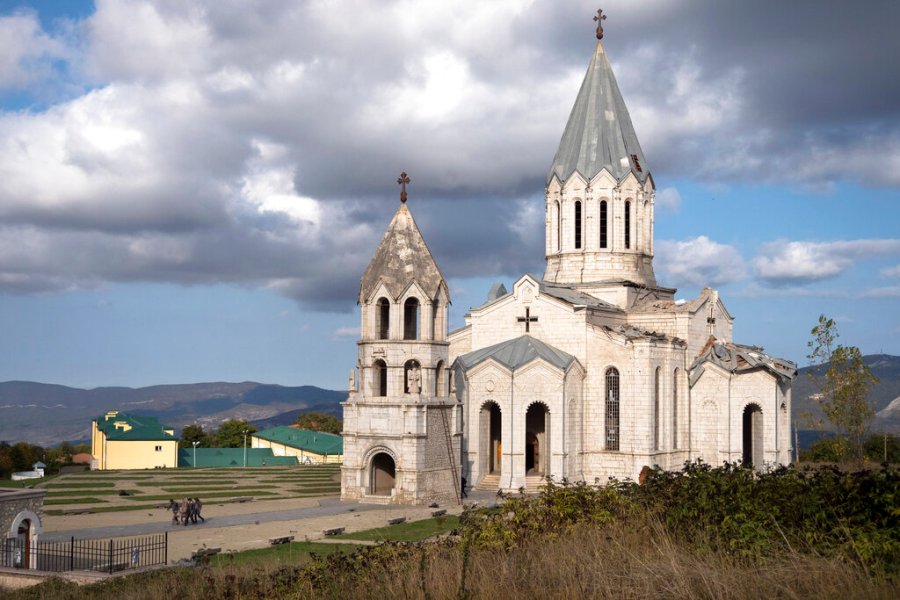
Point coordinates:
pixel 636 333
pixel 575 297
pixel 737 358
pixel 401 258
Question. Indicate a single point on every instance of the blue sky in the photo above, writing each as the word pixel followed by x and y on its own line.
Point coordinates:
pixel 192 193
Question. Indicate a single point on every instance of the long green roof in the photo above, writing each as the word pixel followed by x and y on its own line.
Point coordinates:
pixel 317 442
pixel 142 428
pixel 233 457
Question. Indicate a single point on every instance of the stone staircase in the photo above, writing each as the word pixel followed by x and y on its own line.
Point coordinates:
pixel 489 483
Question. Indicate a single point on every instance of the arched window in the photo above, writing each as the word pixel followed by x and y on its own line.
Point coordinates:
pixel 411 319
pixel 558 227
pixel 656 409
pixel 612 409
pixel 603 242
pixel 628 224
pixel 578 225
pixel 435 311
pixel 675 410
pixel 380 373
pixel 383 318
pixel 440 389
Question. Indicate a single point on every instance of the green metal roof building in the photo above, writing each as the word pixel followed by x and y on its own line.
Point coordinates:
pixel 309 447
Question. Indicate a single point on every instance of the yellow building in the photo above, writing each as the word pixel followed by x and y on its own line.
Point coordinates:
pixel 121 441
pixel 310 447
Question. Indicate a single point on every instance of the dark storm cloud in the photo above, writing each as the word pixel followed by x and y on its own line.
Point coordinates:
pixel 258 143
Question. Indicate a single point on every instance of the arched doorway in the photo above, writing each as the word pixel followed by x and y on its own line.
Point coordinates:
pixel 22 558
pixel 383 475
pixel 753 436
pixel 491 436
pixel 537 450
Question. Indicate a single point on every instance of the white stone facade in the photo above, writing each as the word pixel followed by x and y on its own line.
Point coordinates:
pixel 594 371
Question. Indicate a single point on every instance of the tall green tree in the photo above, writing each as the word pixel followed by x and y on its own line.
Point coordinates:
pixel 843 380
pixel 231 433
pixel 318 421
pixel 194 433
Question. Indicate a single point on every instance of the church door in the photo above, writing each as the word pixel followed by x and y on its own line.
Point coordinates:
pixel 753 436
pixel 383 475
pixel 491 430
pixel 537 450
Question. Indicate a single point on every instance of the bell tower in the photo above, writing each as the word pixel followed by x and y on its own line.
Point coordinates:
pixel 599 194
pixel 401 427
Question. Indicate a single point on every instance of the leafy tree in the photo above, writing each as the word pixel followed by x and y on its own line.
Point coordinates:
pixel 195 433
pixel 231 433
pixel 878 444
pixel 844 381
pixel 317 421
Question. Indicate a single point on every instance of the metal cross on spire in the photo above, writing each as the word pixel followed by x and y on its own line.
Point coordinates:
pixel 600 18
pixel 403 180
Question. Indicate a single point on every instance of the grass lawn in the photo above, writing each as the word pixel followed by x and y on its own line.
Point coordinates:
pixel 85 484
pixel 53 501
pixel 412 531
pixel 294 552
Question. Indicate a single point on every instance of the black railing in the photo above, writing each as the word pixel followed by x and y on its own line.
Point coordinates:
pixel 105 556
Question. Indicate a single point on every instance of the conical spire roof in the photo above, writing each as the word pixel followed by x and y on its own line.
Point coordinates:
pixel 599 133
pixel 401 258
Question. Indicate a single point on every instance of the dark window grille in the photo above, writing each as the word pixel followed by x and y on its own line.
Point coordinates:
pixel 577 225
pixel 612 409
pixel 558 228
pixel 603 242
pixel 627 224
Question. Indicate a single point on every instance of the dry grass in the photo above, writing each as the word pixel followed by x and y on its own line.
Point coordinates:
pixel 610 563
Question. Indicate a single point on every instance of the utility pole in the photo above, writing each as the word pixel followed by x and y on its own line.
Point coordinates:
pixel 195 442
pixel 245 446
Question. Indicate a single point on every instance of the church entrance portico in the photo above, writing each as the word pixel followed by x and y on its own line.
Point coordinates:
pixel 753 436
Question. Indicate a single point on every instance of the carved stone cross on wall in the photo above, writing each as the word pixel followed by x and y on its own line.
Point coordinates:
pixel 527 319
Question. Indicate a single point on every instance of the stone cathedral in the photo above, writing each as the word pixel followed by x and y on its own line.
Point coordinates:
pixel 592 371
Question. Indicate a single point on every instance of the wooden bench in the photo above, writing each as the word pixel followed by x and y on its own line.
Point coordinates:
pixel 396 520
pixel 333 531
pixel 439 513
pixel 281 540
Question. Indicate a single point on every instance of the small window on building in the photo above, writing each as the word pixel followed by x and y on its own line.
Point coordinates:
pixel 380 374
pixel 603 242
pixel 612 409
pixel 628 224
pixel 577 225
pixel 158 448
pixel 558 228
pixel 411 319
pixel 656 435
pixel 383 318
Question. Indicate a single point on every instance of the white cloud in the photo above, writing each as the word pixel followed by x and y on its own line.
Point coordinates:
pixel 346 332
pixel 669 199
pixel 26 52
pixel 783 262
pixel 891 271
pixel 699 261
pixel 882 292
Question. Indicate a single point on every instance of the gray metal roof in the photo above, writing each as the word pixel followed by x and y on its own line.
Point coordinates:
pixel 599 133
pixel 516 353
pixel 736 358
pixel 575 297
pixel 401 258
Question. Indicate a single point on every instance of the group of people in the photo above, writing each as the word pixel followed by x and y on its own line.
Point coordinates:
pixel 188 511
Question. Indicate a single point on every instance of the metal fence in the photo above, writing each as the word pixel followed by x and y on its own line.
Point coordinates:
pixel 105 556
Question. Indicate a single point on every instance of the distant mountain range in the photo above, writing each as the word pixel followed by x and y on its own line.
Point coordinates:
pixel 47 414
pixel 885 395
